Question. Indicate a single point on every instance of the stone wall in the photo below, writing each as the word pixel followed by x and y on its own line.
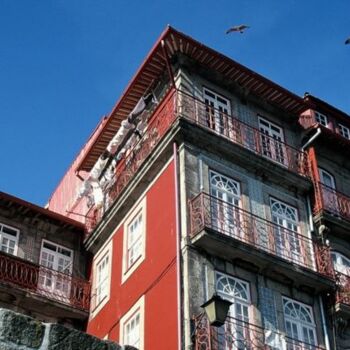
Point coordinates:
pixel 25 333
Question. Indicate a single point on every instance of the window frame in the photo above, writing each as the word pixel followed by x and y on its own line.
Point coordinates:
pixel 2 233
pixel 339 255
pixel 137 310
pixel 128 269
pixel 106 251
pixel 318 118
pixel 344 130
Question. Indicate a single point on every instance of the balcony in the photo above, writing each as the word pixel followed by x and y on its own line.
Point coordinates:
pixel 343 293
pixel 178 104
pixel 18 275
pixel 221 227
pixel 331 201
pixel 240 335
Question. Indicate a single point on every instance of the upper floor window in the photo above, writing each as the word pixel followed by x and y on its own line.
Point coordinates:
pixel 341 263
pixel 132 326
pixel 299 321
pixel 344 131
pixel 272 141
pixel 134 240
pixel 217 111
pixel 8 239
pixel 321 119
pixel 327 179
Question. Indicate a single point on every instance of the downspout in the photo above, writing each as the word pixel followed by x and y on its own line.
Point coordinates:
pixel 324 326
pixel 178 248
pixel 312 139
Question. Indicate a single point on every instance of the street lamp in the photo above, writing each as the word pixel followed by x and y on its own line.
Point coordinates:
pixel 216 309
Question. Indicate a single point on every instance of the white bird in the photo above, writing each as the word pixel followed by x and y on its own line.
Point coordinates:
pixel 347 41
pixel 241 28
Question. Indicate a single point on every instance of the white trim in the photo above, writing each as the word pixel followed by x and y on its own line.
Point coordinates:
pixel 15 239
pixel 321 119
pixel 134 214
pixel 344 131
pixel 107 251
pixel 137 309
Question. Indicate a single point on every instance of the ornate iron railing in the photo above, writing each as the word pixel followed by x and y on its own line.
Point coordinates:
pixel 210 212
pixel 43 281
pixel 178 104
pixel 343 288
pixel 332 201
pixel 241 335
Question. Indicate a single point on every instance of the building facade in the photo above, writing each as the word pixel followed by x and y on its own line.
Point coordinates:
pixel 221 182
pixel 43 266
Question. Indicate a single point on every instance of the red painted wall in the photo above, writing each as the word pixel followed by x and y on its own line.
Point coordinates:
pixel 155 278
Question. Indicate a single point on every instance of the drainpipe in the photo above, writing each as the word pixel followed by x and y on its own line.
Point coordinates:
pixel 178 248
pixel 318 132
pixel 326 338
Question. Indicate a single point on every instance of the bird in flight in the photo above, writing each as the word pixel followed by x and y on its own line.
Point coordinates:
pixel 347 41
pixel 241 28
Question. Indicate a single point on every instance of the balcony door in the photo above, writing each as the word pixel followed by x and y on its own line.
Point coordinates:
pixel 329 194
pixel 235 334
pixel 341 263
pixel 56 268
pixel 300 325
pixel 287 243
pixel 218 112
pixel 225 203
pixel 272 141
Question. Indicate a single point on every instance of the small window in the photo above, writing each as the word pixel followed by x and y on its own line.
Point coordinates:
pixel 8 239
pixel 321 119
pixel 344 131
pixel 341 263
pixel 101 278
pixel 132 326
pixel 134 240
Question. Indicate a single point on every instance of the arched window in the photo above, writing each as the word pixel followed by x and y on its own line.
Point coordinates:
pixel 232 288
pixel 224 188
pixel 341 263
pixel 299 321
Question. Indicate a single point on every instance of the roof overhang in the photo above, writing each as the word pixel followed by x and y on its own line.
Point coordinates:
pixel 153 68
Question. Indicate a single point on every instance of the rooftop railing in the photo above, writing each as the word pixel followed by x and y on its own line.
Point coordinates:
pixel 238 334
pixel 178 104
pixel 332 201
pixel 43 281
pixel 212 213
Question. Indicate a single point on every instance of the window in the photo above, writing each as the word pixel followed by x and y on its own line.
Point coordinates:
pixel 235 332
pixel 102 266
pixel 134 240
pixel 132 326
pixel 224 205
pixel 321 119
pixel 299 323
pixel 341 263
pixel 287 242
pixel 272 141
pixel 218 111
pixel 329 194
pixel 344 131
pixel 8 239
pixel 56 258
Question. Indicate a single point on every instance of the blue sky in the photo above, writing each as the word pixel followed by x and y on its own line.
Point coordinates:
pixel 64 63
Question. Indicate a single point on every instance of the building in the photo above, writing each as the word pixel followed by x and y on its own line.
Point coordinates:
pixel 43 267
pixel 204 179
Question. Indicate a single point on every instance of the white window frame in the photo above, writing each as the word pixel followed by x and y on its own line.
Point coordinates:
pixel 300 323
pixel 9 237
pixel 339 266
pixel 136 311
pixel 127 268
pixel 321 119
pixel 105 252
pixel 344 131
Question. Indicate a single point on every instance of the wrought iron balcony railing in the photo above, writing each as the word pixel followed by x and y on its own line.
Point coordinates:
pixel 40 280
pixel 343 288
pixel 210 212
pixel 237 334
pixel 332 201
pixel 178 104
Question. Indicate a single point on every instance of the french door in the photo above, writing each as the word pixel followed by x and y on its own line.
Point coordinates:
pixel 57 266
pixel 225 204
pixel 272 141
pixel 218 112
pixel 330 199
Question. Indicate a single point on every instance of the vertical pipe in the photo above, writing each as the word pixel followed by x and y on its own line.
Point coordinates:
pixel 324 326
pixel 178 248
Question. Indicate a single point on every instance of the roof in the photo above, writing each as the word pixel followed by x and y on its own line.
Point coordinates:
pixel 152 69
pixel 28 208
